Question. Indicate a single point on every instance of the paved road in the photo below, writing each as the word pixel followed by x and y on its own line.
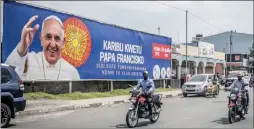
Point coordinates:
pixel 191 112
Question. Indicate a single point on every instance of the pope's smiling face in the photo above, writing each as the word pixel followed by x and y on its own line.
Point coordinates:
pixel 52 40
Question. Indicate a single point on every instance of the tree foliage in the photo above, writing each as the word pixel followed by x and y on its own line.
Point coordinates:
pixel 251 55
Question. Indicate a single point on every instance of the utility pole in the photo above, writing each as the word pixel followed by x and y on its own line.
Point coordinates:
pixel 186 62
pixel 159 30
pixel 225 51
pixel 230 50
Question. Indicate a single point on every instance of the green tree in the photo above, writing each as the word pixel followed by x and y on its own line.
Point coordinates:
pixel 251 56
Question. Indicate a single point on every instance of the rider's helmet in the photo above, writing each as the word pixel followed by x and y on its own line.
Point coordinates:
pixel 239 76
pixel 145 75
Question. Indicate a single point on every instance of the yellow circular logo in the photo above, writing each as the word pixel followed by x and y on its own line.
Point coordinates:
pixel 78 42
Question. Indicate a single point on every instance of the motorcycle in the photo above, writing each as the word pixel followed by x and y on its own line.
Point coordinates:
pixel 139 108
pixel 251 83
pixel 235 106
pixel 213 89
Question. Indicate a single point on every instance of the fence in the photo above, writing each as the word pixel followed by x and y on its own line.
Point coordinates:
pixel 60 87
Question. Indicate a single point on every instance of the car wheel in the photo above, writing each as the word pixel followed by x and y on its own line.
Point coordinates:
pixel 204 93
pixel 185 95
pixel 5 115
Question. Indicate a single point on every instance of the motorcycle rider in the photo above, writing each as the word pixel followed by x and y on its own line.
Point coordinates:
pixel 252 79
pixel 240 84
pixel 147 86
pixel 218 76
pixel 215 78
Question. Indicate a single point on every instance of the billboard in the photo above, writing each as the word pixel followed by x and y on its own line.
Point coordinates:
pixel 88 49
pixel 175 48
pixel 205 49
pixel 235 57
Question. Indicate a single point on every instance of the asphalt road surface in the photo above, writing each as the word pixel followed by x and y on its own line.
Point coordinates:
pixel 178 112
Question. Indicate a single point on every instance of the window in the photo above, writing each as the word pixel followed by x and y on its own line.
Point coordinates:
pixel 233 75
pixel 198 78
pixel 5 76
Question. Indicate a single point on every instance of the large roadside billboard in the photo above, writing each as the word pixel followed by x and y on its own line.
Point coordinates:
pixel 90 49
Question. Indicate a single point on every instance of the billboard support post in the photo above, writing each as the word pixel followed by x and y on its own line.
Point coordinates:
pixel 70 86
pixel 164 83
pixel 111 86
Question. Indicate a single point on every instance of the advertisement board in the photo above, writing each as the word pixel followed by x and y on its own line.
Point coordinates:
pixel 235 58
pixel 175 48
pixel 89 49
pixel 206 49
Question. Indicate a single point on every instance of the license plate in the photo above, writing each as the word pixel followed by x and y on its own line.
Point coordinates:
pixel 190 90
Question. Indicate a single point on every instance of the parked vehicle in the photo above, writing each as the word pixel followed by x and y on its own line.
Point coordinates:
pixel 12 94
pixel 231 78
pixel 198 84
pixel 139 109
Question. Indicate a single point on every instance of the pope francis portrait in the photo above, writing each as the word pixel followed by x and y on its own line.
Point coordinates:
pixel 45 65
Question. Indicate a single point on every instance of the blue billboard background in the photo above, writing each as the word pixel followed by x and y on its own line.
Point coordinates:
pixel 100 63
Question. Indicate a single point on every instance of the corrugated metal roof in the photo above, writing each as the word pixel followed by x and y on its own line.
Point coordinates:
pixel 241 42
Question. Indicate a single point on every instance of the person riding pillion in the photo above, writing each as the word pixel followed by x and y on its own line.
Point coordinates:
pixel 148 87
pixel 240 84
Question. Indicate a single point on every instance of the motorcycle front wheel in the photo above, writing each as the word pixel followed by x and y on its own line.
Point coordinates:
pixel 231 115
pixel 156 114
pixel 131 119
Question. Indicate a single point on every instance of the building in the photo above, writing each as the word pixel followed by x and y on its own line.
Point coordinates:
pixel 241 43
pixel 201 58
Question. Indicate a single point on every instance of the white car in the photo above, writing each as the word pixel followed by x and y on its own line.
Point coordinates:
pixel 197 84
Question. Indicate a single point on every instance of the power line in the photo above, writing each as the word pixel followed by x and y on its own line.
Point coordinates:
pixel 188 12
pixel 168 5
pixel 205 21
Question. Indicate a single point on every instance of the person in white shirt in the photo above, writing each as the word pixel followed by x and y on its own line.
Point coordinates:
pixel 45 65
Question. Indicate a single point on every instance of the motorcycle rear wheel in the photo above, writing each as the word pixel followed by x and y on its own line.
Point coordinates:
pixel 129 119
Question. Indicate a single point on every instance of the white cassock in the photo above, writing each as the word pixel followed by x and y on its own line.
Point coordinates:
pixel 39 69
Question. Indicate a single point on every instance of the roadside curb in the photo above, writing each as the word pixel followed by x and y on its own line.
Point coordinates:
pixel 80 106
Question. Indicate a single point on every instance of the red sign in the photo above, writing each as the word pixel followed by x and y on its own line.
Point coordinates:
pixel 161 51
pixel 237 58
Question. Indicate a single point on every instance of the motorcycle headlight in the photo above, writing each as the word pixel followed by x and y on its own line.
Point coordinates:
pixel 233 96
pixel 133 99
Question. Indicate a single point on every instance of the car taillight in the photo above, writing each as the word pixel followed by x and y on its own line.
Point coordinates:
pixel 21 85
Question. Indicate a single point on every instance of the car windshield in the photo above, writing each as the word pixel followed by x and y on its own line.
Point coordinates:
pixel 198 78
pixel 232 75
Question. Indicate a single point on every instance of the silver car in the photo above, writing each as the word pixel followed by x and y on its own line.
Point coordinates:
pixel 197 84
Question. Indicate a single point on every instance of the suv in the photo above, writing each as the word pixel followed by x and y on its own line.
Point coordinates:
pixel 12 90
